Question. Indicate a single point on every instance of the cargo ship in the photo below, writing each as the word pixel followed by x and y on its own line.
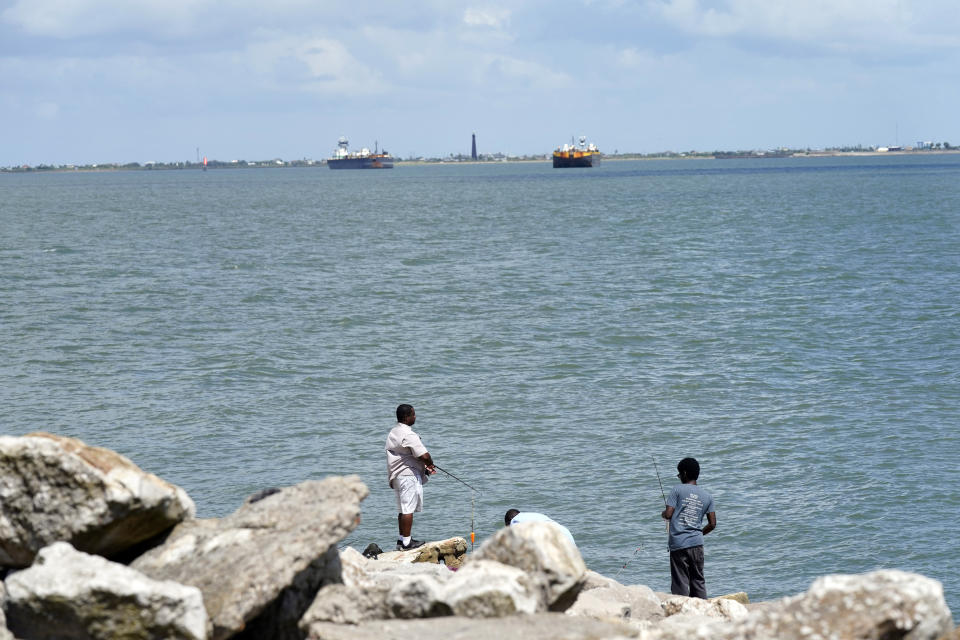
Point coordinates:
pixel 344 159
pixel 582 155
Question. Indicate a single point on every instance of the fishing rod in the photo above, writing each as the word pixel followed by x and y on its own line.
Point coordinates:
pixel 473 492
pixel 661 489
pixel 439 468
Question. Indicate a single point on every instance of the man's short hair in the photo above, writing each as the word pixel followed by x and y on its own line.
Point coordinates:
pixel 404 411
pixel 510 515
pixel 689 468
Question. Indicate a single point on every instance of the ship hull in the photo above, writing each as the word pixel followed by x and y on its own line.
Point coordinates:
pixel 571 160
pixel 372 162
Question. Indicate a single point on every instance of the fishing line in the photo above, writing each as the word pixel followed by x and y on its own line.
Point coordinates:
pixel 473 492
pixel 629 560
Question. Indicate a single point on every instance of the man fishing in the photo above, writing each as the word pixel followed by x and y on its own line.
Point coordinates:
pixel 685 507
pixel 408 466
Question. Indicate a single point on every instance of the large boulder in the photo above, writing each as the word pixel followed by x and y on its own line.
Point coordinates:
pixel 450 552
pixel 604 598
pixel 261 567
pixel 68 594
pixel 872 606
pixel 542 550
pixel 539 626
pixel 4 631
pixel 54 488
pixel 380 589
pixel 722 608
pixel 882 605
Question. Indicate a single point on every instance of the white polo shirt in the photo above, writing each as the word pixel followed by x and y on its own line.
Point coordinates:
pixel 404 449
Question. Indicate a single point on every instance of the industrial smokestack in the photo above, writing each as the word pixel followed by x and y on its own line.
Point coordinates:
pixel 473 149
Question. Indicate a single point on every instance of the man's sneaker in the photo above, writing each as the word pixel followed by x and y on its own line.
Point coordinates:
pixel 406 547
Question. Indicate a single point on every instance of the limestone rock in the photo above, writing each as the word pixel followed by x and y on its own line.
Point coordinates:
pixel 873 606
pixel 722 608
pixel 739 596
pixel 379 589
pixel 882 605
pixel 540 626
pixel 594 604
pixel 488 589
pixel 4 631
pixel 261 567
pixel 689 626
pixel 612 599
pixel 54 488
pixel 69 594
pixel 375 589
pixel 543 551
pixel 450 552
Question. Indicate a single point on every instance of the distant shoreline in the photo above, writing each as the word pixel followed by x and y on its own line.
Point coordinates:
pixel 737 155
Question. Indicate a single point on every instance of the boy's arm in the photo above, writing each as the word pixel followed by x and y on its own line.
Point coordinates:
pixel 711 522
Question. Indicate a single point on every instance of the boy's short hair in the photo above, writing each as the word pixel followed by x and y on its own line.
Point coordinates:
pixel 510 515
pixel 689 467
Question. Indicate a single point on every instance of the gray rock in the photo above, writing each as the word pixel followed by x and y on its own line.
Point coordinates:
pixel 69 594
pixel 450 552
pixel 374 589
pixel 367 586
pixel 540 626
pixel 488 589
pixel 4 631
pixel 543 551
pixel 722 608
pixel 54 488
pixel 261 567
pixel 883 605
pixel 602 598
pixel 873 606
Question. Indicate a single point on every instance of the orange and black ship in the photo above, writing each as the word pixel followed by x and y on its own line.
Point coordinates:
pixel 582 155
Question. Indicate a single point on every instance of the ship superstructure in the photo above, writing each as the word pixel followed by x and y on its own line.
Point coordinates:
pixel 580 155
pixel 343 158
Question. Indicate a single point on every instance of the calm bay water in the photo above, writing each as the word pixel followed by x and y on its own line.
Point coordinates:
pixel 794 324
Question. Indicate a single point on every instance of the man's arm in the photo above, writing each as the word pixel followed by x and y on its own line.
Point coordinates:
pixel 711 522
pixel 667 513
pixel 428 465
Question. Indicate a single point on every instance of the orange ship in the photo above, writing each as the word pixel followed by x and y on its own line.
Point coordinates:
pixel 582 155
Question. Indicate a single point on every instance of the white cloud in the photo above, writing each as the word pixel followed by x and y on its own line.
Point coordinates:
pixel 70 18
pixel 496 18
pixel 314 63
pixel 525 72
pixel 834 26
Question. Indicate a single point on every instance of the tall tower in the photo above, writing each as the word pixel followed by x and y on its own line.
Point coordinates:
pixel 473 149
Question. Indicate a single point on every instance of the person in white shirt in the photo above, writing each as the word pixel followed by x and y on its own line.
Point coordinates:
pixel 408 466
pixel 515 516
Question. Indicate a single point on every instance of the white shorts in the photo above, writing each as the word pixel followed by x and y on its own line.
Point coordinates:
pixel 409 492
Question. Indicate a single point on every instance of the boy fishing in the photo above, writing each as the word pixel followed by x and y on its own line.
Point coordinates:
pixel 685 507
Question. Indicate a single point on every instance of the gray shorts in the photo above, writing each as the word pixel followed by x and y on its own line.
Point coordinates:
pixel 409 490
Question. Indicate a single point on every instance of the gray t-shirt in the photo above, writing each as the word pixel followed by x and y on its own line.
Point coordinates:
pixel 690 503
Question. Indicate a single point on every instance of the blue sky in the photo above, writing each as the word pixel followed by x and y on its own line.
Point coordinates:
pixel 84 81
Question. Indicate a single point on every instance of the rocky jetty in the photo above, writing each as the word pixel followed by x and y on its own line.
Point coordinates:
pixel 95 548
